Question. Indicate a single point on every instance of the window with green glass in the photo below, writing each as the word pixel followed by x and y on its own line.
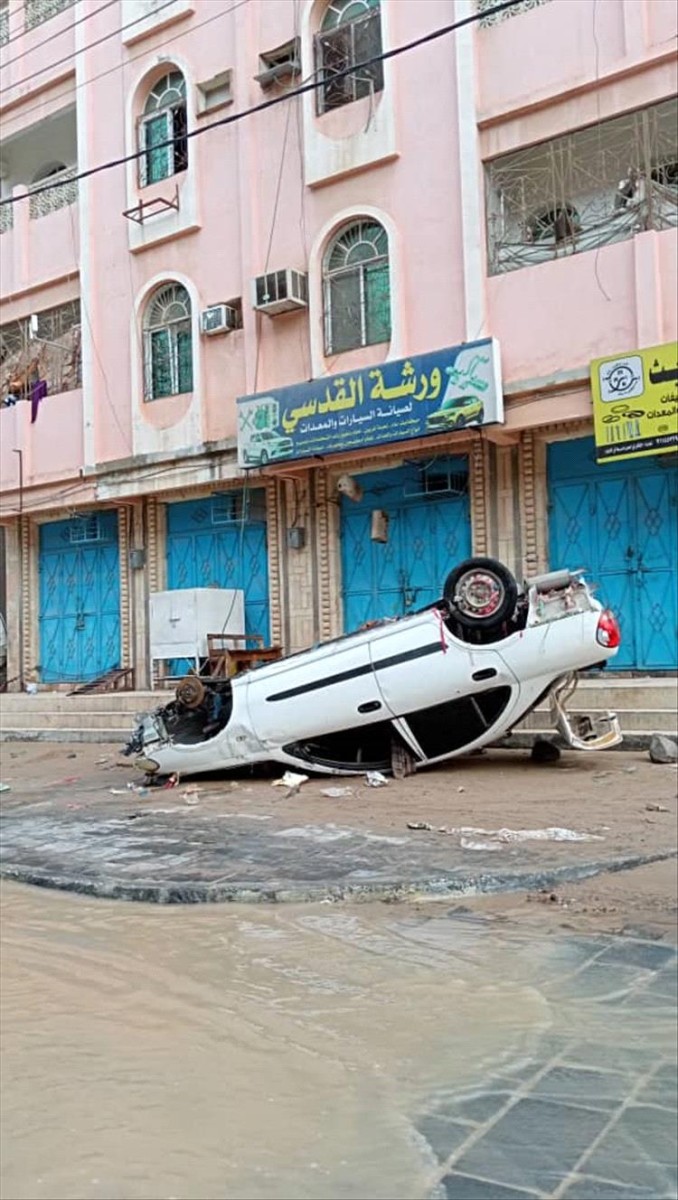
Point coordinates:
pixel 168 343
pixel 357 288
pixel 163 130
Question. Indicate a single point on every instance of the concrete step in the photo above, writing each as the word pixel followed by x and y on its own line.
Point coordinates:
pixel 661 720
pixel 59 702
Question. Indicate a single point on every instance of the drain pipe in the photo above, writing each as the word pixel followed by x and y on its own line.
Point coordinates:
pixel 21 569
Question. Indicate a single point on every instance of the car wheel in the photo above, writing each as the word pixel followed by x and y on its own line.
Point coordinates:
pixel 263 458
pixel 482 592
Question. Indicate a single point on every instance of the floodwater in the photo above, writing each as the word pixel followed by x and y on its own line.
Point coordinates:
pixel 242 1052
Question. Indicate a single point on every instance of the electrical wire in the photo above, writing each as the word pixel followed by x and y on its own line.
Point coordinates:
pixel 53 37
pixel 263 105
pixel 59 62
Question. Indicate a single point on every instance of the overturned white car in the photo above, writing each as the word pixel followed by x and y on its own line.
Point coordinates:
pixel 401 693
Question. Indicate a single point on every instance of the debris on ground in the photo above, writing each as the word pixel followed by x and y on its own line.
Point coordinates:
pixel 72 755
pixel 100 762
pixel 471 838
pixel 290 780
pixel 544 751
pixel 4 787
pixel 190 795
pixel 376 779
pixel 656 808
pixel 663 749
pixel 423 825
pixel 335 793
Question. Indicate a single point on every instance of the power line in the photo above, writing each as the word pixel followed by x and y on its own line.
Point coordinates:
pixel 26 112
pixel 53 37
pixel 90 46
pixel 312 86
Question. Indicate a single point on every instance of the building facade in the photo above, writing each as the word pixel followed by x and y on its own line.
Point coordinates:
pixel 207 203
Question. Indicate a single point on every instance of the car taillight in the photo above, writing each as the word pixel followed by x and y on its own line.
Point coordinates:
pixel 608 633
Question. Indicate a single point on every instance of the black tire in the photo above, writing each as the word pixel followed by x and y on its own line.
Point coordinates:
pixel 481 592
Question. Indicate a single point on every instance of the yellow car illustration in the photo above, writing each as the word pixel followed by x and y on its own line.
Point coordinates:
pixel 455 413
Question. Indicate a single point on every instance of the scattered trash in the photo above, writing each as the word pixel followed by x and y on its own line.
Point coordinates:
pixel 630 770
pixel 190 796
pixel 290 780
pixel 100 762
pixel 663 749
pixel 544 752
pixel 376 779
pixel 493 839
pixel 601 775
pixel 337 792
pixel 656 808
pixel 72 755
pixel 31 689
pixel 461 789
pixel 138 789
pixel 4 787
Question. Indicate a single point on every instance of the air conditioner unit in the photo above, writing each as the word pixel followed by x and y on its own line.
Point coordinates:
pixel 280 291
pixel 219 318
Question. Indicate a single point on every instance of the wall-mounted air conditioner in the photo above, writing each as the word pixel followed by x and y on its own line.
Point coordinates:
pixel 280 291
pixel 219 318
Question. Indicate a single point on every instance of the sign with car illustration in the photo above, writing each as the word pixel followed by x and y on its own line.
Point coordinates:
pixel 635 403
pixel 441 392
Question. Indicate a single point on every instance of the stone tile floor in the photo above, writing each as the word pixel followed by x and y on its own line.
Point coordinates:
pixel 588 1116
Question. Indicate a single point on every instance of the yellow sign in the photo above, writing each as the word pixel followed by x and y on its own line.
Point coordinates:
pixel 635 403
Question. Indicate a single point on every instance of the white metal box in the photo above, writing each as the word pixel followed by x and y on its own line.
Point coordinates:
pixel 181 619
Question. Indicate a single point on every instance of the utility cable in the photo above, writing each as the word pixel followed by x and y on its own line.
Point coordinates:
pixel 313 86
pixel 59 62
pixel 53 37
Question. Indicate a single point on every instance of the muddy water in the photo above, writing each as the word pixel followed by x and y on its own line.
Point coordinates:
pixel 250 1052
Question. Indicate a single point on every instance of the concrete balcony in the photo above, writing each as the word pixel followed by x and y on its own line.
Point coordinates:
pixel 40 238
pixel 43 31
pixel 51 448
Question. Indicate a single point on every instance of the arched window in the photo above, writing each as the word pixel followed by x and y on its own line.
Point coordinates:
pixel 168 343
pixel 350 33
pixel 164 120
pixel 356 288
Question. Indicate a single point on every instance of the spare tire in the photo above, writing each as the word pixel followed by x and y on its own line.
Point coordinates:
pixel 481 592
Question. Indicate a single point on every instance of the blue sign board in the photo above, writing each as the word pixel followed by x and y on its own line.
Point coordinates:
pixel 440 392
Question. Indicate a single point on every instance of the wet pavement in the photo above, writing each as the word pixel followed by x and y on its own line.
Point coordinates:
pixel 329 1053
pixel 155 850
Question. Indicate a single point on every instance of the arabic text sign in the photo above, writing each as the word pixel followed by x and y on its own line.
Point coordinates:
pixel 635 403
pixel 427 394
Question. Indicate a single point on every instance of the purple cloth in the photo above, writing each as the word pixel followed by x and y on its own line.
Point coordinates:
pixel 38 393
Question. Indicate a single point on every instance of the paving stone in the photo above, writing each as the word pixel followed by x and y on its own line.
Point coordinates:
pixel 535 1144
pixel 578 1085
pixel 640 1149
pixel 611 1056
pixel 662 1089
pixel 442 1135
pixel 466 1187
pixel 632 953
pixel 585 1187
pixel 479 1108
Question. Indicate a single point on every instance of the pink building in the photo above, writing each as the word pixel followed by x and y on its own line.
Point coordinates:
pixel 206 203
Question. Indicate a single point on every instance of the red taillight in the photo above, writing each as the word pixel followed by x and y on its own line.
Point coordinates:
pixel 608 633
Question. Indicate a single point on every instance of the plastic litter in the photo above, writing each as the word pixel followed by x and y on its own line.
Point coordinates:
pixel 376 779
pixel 4 787
pixel 656 808
pixel 290 780
pixel 336 793
pixel 423 825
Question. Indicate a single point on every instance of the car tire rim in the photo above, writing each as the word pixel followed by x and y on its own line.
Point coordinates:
pixel 479 594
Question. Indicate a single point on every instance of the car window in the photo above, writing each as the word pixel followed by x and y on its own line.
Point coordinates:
pixel 446 727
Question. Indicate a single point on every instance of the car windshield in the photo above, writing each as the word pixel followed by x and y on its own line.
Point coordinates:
pixel 461 402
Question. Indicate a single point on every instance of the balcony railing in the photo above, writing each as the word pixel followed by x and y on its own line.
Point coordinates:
pixel 6 217
pixel 64 193
pixel 37 11
pixel 4 25
pixel 506 13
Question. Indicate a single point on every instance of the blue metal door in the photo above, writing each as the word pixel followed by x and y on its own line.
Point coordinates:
pixel 220 541
pixel 429 531
pixel 79 597
pixel 620 522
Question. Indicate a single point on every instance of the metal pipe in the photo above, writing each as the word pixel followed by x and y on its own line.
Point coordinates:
pixel 21 569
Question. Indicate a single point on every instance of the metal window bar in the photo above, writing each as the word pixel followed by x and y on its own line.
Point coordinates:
pixel 54 356
pixel 63 191
pixel 584 190
pixel 357 306
pixel 505 14
pixel 337 51
pixel 85 528
pixel 37 11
